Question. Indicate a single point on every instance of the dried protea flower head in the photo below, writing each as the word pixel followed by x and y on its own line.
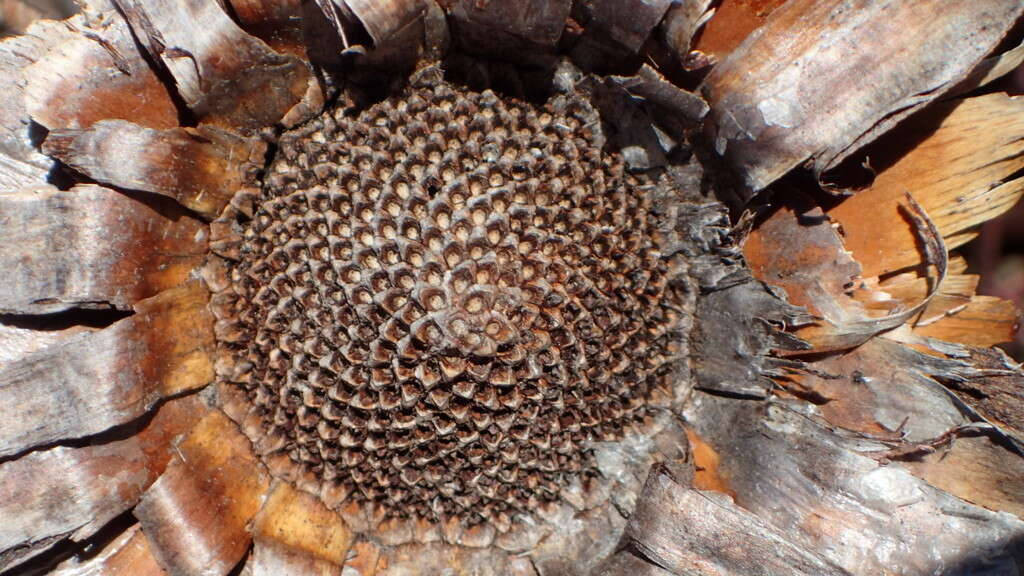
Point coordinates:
pixel 441 301
pixel 550 287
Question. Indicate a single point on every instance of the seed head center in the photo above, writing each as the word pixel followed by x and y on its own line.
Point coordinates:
pixel 448 297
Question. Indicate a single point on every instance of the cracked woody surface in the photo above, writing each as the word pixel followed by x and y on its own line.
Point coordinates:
pixel 405 287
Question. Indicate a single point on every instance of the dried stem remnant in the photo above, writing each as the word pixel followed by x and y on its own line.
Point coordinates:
pixel 440 301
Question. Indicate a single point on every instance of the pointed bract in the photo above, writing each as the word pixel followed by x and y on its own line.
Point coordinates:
pixel 91 247
pixel 774 99
pixel 196 515
pixel 93 381
pixel 963 169
pixel 201 168
pixel 72 492
pixel 95 74
pixel 226 76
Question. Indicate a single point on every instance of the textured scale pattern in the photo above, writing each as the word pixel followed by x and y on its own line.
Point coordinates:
pixel 444 297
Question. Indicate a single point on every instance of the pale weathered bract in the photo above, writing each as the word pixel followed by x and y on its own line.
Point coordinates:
pixel 549 287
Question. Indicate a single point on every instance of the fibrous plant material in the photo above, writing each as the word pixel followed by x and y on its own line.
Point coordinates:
pixel 441 301
pixel 766 94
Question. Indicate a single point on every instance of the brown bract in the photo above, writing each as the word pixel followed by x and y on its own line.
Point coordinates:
pixel 278 23
pixel 225 76
pixel 513 29
pixel 680 28
pixel 964 168
pixel 295 531
pixel 200 168
pixel 197 515
pixel 92 381
pixel 51 240
pixel 20 162
pixel 733 21
pixel 792 94
pixel 129 554
pixel 100 482
pixel 106 59
pixel 691 537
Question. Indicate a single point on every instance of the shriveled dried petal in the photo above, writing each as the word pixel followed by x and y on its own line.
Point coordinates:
pixel 773 100
pixel 92 381
pixel 21 164
pixel 127 555
pixel 693 532
pixel 954 313
pixel 952 295
pixel 201 168
pixel 984 321
pixel 798 249
pixel 97 73
pixel 226 76
pixel 90 246
pixel 781 452
pixel 295 534
pixel 65 492
pixel 196 514
pixel 961 170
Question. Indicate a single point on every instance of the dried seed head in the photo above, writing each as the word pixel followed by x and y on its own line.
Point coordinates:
pixel 442 300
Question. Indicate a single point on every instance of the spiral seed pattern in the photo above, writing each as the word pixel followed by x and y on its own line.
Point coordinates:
pixel 443 299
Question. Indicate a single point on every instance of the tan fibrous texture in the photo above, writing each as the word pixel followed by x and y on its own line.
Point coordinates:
pixel 441 299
